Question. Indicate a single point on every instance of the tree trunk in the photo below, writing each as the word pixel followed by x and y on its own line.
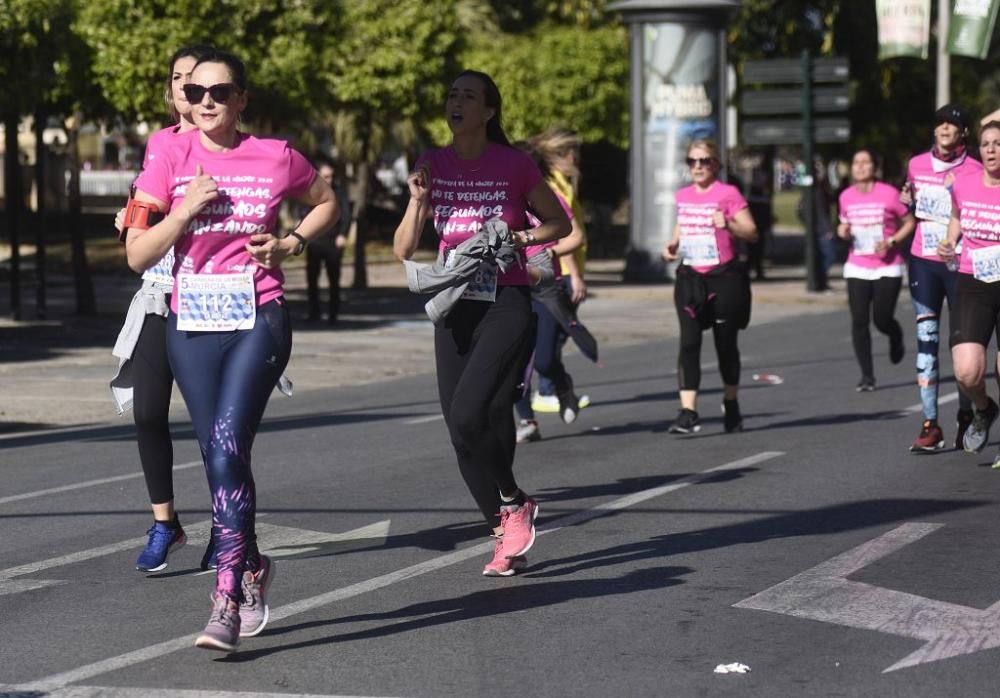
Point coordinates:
pixel 85 304
pixel 361 228
pixel 14 202
pixel 41 218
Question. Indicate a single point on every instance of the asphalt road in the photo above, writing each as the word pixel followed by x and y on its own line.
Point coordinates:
pixel 812 547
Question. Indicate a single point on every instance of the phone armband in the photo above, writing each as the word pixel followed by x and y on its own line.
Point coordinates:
pixel 140 214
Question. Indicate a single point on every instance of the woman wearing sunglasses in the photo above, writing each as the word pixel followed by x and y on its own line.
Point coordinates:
pixel 480 346
pixel 877 223
pixel 228 332
pixel 712 288
pixel 144 380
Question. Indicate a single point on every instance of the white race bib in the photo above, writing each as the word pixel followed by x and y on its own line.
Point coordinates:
pixel 699 250
pixel 482 287
pixel 933 203
pixel 163 272
pixel 933 233
pixel 986 264
pixel 215 302
pixel 865 238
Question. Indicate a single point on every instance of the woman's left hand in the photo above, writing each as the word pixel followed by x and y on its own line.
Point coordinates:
pixel 269 251
pixel 718 219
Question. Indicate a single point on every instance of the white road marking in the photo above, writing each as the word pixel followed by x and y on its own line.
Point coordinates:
pixel 424 420
pixel 919 407
pixel 83 485
pixel 280 541
pixel 114 692
pixel 88 671
pixel 825 594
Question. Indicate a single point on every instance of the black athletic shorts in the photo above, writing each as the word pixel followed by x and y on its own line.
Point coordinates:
pixel 977 311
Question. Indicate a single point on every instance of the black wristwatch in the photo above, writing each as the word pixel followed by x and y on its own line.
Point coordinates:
pixel 302 243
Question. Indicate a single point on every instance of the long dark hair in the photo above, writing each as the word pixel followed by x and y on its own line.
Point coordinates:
pixel 195 51
pixel 491 95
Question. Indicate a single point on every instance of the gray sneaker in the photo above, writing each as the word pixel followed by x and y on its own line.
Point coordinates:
pixel 223 629
pixel 254 611
pixel 978 432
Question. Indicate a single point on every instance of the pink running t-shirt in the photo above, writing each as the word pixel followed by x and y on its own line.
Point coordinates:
pixel 703 246
pixel 158 142
pixel 253 178
pixel 873 216
pixel 978 209
pixel 467 193
pixel 932 200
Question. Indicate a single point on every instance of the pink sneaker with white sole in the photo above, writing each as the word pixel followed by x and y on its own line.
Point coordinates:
pixel 518 527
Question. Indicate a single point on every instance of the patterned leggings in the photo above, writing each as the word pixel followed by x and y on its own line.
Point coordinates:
pixel 226 379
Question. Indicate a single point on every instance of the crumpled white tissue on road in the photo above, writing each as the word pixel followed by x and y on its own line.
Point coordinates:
pixel 734 668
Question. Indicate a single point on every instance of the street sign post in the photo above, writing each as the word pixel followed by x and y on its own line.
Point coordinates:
pixel 803 100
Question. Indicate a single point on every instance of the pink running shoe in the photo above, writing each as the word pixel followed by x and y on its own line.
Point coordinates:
pixel 518 527
pixel 223 629
pixel 503 566
pixel 254 610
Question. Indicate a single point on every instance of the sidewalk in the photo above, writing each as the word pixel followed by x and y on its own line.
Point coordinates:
pixel 55 373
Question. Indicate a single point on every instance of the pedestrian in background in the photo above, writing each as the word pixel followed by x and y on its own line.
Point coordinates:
pixel 877 224
pixel 712 289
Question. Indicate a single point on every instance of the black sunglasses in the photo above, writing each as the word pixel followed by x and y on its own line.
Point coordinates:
pixel 691 162
pixel 220 93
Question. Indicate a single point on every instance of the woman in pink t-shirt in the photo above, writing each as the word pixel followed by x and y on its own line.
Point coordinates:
pixel 228 332
pixel 929 178
pixel 712 288
pixel 876 222
pixel 482 344
pixel 975 220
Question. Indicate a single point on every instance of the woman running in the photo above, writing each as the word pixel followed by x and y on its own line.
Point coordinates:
pixel 712 287
pixel 479 346
pixel 975 220
pixel 877 223
pixel 560 147
pixel 927 192
pixel 228 332
pixel 144 380
pixel 549 334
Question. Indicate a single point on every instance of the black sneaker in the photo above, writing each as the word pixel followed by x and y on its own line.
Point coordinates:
pixel 896 348
pixel 978 432
pixel 687 422
pixel 962 421
pixel 732 420
pixel 866 385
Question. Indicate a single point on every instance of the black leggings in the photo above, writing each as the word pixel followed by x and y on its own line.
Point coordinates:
pixel 729 312
pixel 867 298
pixel 153 383
pixel 479 351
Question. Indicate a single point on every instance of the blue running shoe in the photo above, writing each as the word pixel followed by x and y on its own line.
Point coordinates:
pixel 163 540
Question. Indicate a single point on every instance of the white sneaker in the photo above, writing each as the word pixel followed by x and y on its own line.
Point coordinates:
pixel 527 430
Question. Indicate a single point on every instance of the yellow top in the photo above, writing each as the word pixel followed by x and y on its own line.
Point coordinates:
pixel 562 186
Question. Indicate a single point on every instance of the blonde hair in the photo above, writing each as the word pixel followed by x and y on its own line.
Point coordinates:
pixel 708 146
pixel 555 143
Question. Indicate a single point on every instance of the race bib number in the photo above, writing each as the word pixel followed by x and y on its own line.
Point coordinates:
pixel 163 272
pixel 215 302
pixel 866 237
pixel 986 264
pixel 933 234
pixel 933 204
pixel 700 250
pixel 483 286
